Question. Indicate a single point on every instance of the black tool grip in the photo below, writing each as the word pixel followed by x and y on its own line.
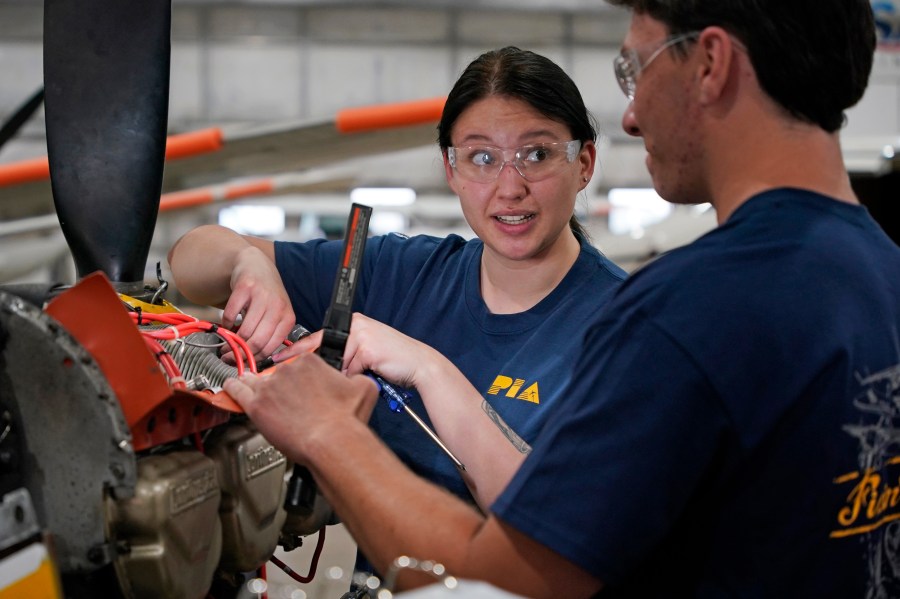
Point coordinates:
pixel 301 492
pixel 332 347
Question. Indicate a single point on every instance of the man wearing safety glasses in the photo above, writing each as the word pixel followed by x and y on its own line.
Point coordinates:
pixel 732 425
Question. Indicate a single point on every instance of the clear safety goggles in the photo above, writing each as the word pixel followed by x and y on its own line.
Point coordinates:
pixel 628 65
pixel 535 162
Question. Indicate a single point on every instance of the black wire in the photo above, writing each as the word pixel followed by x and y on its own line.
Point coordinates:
pixel 15 122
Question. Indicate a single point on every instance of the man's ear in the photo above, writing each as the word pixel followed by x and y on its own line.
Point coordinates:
pixel 718 56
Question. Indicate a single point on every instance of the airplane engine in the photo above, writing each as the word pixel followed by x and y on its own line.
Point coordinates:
pixel 122 461
pixel 124 470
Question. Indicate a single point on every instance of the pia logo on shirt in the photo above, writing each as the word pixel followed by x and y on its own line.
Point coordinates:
pixel 513 388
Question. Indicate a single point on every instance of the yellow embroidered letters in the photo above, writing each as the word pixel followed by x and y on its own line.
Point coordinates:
pixel 513 387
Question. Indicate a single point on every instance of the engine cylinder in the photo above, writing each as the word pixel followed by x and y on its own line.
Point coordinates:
pixel 169 533
pixel 251 473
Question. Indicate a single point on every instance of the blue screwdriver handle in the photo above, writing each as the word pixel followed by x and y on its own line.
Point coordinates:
pixel 398 401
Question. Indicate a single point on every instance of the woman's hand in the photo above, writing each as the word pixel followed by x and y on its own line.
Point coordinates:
pixel 463 419
pixel 372 345
pixel 259 298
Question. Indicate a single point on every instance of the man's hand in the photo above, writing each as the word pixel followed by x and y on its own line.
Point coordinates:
pixel 302 400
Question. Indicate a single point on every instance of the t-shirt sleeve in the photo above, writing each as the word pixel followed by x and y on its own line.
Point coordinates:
pixel 614 466
pixel 390 263
pixel 308 271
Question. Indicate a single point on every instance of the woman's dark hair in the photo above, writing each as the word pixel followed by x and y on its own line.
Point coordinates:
pixel 526 76
pixel 813 57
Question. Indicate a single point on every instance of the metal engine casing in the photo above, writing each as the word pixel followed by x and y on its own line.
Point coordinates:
pixel 70 442
pixel 169 533
pixel 252 475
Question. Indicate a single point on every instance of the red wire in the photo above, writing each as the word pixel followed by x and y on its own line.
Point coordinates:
pixel 262 574
pixel 166 317
pixel 181 325
pixel 168 364
pixel 248 355
pixel 312 566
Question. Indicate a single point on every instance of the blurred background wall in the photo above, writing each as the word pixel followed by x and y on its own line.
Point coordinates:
pixel 283 64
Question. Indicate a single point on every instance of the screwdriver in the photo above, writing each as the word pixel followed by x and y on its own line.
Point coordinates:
pixel 397 401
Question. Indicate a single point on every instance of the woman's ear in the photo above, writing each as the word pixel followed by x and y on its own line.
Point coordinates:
pixel 587 158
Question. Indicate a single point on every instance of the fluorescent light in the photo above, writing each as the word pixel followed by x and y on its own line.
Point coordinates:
pixel 248 219
pixel 383 196
pixel 634 209
pixel 388 221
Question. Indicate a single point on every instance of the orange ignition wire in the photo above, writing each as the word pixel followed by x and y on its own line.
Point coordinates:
pixel 180 325
pixel 168 364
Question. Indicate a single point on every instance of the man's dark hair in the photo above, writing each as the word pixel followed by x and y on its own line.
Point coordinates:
pixel 813 57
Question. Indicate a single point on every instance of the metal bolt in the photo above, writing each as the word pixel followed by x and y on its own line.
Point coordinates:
pixel 118 471
pixel 96 555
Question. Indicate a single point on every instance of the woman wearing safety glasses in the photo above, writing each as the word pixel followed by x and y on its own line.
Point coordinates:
pixel 480 332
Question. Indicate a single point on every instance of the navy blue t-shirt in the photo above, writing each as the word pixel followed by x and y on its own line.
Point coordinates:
pixel 730 427
pixel 429 289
